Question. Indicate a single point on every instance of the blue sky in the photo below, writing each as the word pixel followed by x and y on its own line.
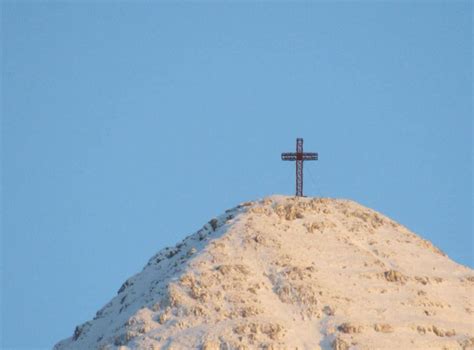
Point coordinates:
pixel 127 126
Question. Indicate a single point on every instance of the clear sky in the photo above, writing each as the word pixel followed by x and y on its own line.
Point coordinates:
pixel 127 126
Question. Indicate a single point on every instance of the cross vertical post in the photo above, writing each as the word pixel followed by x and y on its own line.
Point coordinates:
pixel 299 167
pixel 299 157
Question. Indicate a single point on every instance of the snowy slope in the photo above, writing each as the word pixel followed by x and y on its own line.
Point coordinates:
pixel 286 273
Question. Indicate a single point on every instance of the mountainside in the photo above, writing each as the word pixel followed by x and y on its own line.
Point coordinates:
pixel 287 273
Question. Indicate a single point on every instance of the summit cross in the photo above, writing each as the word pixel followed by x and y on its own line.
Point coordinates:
pixel 299 157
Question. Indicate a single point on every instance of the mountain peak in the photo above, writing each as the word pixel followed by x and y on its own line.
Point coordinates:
pixel 291 272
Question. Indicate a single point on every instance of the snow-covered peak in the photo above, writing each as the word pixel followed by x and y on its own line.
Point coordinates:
pixel 287 272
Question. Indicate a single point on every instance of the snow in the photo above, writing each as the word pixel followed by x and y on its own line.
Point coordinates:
pixel 286 272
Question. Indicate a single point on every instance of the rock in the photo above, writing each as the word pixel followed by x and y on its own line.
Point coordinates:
pixel 329 311
pixel 467 343
pixel 350 328
pixel 214 224
pixel 443 333
pixel 394 276
pixel 210 345
pixel 339 344
pixel 191 252
pixel 125 285
pixel 383 328
pixel 421 329
pixel 273 330
pixel 227 269
pixel 77 332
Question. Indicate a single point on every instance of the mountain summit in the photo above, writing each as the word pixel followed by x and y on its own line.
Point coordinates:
pixel 287 273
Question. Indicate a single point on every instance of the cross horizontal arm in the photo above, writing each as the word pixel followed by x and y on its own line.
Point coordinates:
pixel 299 156
pixel 310 156
pixel 288 156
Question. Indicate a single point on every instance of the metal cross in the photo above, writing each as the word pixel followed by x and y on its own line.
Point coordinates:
pixel 299 157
